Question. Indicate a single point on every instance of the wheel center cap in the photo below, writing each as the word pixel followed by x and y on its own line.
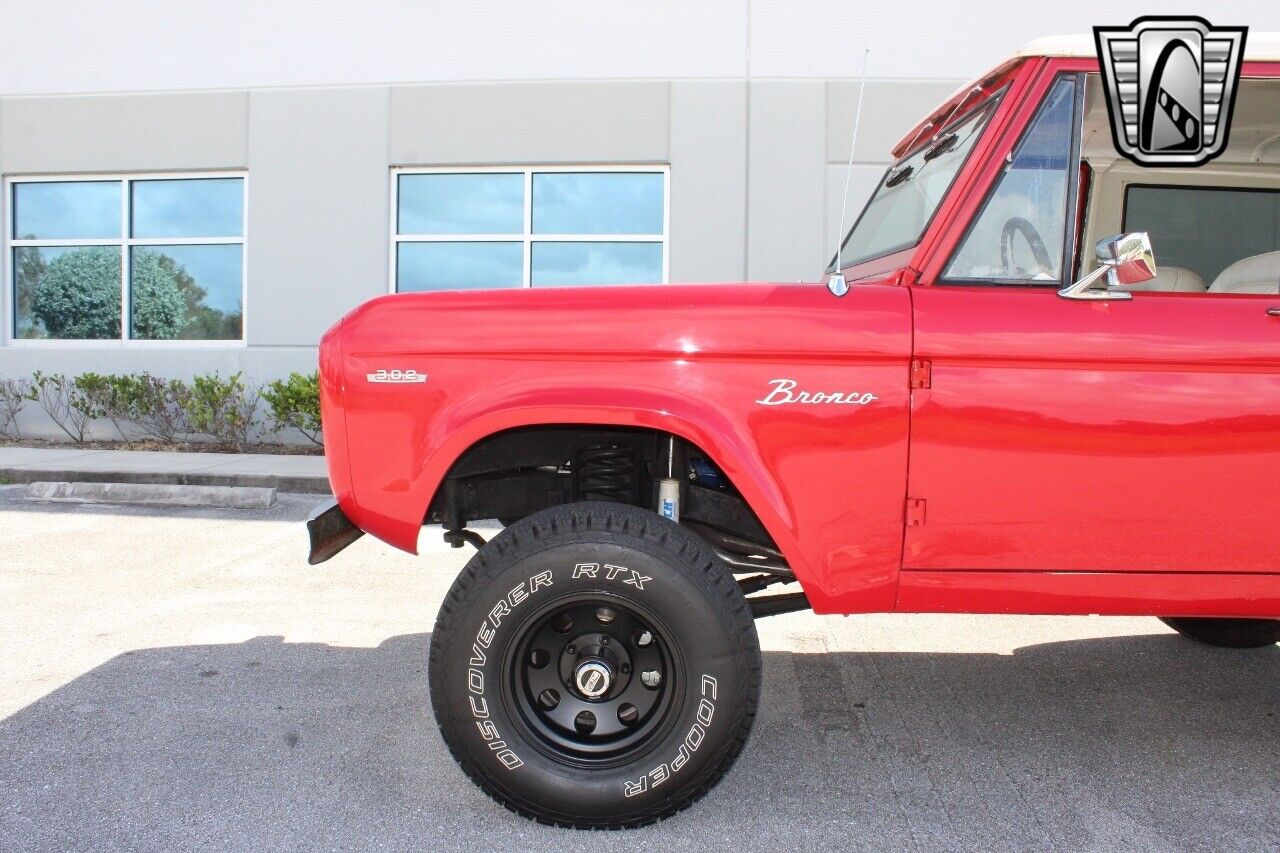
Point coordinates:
pixel 593 678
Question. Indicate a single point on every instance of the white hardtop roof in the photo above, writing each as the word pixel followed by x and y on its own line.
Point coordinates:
pixel 1258 47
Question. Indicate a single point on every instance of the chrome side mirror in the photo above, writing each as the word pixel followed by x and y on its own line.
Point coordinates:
pixel 837 285
pixel 1124 259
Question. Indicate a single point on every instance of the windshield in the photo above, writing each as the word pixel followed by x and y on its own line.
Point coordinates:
pixel 912 189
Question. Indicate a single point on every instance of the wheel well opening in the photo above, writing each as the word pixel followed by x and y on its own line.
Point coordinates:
pixel 517 472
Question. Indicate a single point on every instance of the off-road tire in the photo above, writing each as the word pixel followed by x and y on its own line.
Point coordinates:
pixel 1228 633
pixel 579 563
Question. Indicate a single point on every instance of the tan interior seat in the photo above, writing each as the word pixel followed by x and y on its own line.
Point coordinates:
pixel 1256 274
pixel 1169 280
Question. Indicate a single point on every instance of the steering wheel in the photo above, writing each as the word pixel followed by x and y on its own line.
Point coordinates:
pixel 1018 225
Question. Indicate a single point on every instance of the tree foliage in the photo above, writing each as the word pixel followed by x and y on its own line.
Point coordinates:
pixel 78 296
pixel 157 298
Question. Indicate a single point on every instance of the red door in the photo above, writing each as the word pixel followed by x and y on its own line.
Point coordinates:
pixel 1096 456
pixel 1139 435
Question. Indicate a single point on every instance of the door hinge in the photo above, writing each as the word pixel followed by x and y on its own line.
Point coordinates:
pixel 915 512
pixel 921 373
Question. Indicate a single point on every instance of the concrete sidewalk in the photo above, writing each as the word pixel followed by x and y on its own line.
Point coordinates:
pixel 305 474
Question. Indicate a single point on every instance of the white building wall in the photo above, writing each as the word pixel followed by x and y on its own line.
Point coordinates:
pixel 750 103
pixel 69 46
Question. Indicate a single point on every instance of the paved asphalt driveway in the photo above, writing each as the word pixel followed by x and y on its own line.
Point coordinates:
pixel 183 680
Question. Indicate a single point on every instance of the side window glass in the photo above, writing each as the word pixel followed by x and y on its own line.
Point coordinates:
pixel 1220 239
pixel 1020 234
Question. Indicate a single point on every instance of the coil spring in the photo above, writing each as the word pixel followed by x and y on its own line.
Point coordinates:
pixel 607 474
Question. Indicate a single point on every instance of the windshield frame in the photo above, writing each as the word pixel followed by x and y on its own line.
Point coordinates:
pixel 991 103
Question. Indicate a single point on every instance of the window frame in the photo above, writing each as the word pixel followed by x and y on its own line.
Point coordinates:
pixel 992 100
pixel 527 237
pixel 126 242
pixel 1071 200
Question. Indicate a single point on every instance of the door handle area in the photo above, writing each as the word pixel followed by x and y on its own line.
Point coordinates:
pixel 1274 311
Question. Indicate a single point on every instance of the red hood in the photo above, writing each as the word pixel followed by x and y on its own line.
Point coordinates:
pixel 641 319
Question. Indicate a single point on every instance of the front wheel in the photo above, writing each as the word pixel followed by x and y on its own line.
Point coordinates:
pixel 1228 633
pixel 595 666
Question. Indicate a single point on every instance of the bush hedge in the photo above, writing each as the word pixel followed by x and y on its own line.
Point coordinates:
pixel 142 406
pixel 295 402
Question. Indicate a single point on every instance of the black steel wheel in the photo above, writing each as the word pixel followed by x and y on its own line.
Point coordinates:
pixel 593 679
pixel 1228 633
pixel 595 666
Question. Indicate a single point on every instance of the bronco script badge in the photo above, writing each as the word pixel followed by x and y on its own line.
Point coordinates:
pixel 1171 85
pixel 784 392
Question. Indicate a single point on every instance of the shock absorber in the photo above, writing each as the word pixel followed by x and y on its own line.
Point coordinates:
pixel 607 473
pixel 669 486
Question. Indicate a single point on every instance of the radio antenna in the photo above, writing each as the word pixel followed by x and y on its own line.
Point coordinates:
pixel 837 284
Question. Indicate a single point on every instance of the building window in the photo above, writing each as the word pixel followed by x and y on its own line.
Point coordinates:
pixel 127 259
pixel 503 227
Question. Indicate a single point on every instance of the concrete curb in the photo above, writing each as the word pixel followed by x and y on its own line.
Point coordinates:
pixel 222 497
pixel 302 484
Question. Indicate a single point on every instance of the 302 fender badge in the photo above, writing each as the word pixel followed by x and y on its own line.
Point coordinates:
pixel 398 377
pixel 784 392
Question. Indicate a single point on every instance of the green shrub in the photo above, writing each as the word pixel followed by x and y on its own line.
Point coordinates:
pixel 154 405
pixel 222 409
pixel 100 395
pixel 66 403
pixel 13 397
pixel 295 402
pixel 139 404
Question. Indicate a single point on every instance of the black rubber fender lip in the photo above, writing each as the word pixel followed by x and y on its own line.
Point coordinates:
pixel 330 531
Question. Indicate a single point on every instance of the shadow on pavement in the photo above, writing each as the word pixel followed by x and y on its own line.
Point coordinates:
pixel 1142 742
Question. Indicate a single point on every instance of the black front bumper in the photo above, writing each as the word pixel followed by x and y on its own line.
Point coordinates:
pixel 330 530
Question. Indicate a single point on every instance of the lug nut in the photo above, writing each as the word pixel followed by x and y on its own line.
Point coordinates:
pixel 548 699
pixel 585 722
pixel 643 638
pixel 628 714
pixel 651 678
pixel 605 615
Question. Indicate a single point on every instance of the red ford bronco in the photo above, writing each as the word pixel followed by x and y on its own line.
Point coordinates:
pixel 975 415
